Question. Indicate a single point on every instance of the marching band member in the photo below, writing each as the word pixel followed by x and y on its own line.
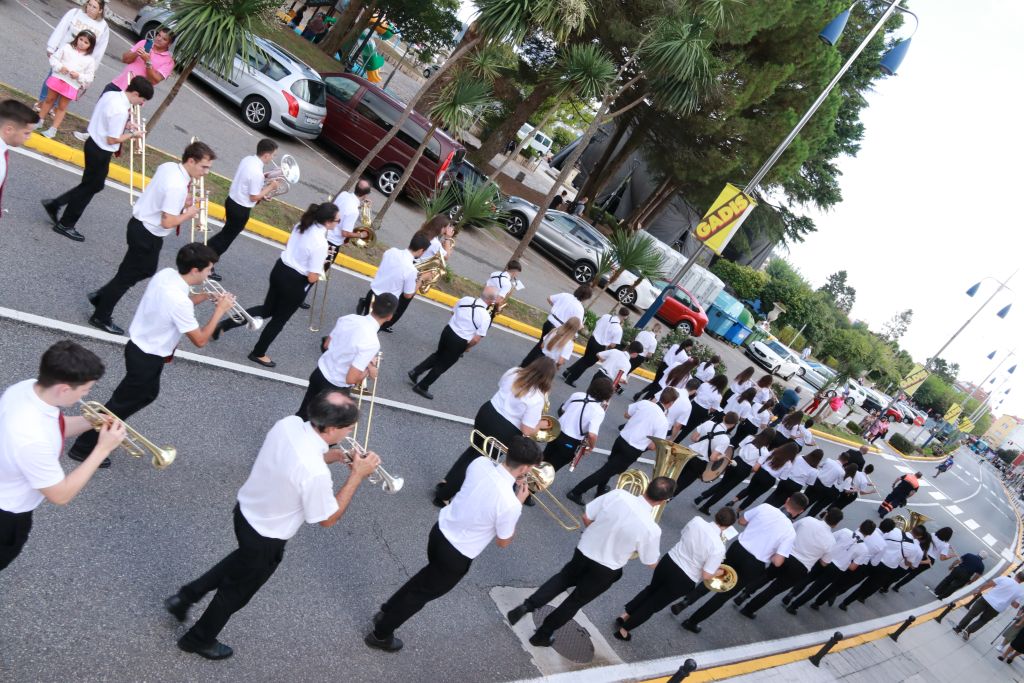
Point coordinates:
pixel 16 125
pixel 874 545
pixel 516 408
pixel 741 403
pixel 859 485
pixel 766 472
pixel 758 419
pixel 707 400
pixel 350 353
pixel 396 275
pixel 581 417
pixel 938 551
pixel 787 427
pixel 740 383
pixel 32 433
pixel 711 443
pixel 108 128
pixel 695 558
pixel 290 483
pixel 615 364
pixel 617 525
pixel 804 472
pixel 556 344
pixel 505 282
pixel 649 340
pixel 349 205
pixel 468 325
pixel 565 306
pixel 764 390
pixel 299 266
pixel 248 188
pixel 767 539
pixel 676 354
pixel 749 452
pixel 645 419
pixel 829 484
pixel 923 538
pixel 679 414
pixel 607 335
pixel 486 508
pixel 677 376
pixel 160 209
pixel 706 371
pixel 166 312
pixel 441 233
pixel 848 553
pixel 900 551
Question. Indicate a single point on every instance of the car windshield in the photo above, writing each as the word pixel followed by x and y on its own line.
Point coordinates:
pixel 577 229
pixel 313 92
pixel 469 174
pixel 779 349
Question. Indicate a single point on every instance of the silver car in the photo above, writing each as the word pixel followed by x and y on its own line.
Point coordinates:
pixel 569 239
pixel 275 89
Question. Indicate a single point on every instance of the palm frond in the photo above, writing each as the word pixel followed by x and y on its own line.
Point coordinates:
pixel 677 61
pixel 584 70
pixel 214 31
pixel 477 206
pixel 455 108
pixel 489 60
pixel 635 252
pixel 513 20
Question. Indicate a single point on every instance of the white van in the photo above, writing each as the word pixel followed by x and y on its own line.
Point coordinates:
pixel 540 142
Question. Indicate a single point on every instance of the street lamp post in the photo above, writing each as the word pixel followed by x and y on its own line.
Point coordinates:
pixel 1002 313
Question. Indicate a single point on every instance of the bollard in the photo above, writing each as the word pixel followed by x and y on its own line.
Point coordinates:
pixel 688 667
pixel 820 654
pixel 895 635
pixel 949 608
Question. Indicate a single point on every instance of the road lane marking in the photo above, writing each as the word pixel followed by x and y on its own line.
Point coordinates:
pixel 924 483
pixel 971 524
pixel 904 469
pixel 937 495
pixel 954 510
pixel 989 539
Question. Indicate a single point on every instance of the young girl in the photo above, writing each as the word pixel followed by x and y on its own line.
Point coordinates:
pixel 73 70
pixel 558 343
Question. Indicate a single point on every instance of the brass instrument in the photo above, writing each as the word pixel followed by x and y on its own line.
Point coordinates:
pixel 904 524
pixel 373 401
pixel 322 306
pixel 669 460
pixel 722 584
pixel 136 145
pixel 538 480
pixel 236 312
pixel 364 225
pixel 201 198
pixel 134 444
pixel 352 450
pixel 430 271
pixel 286 174
pixel 548 428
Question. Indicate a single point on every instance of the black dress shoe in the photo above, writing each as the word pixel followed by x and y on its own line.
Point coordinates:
pixel 748 614
pixel 79 457
pixel 529 502
pixel 388 330
pixel 265 363
pixel 792 610
pixel 439 502
pixel 843 606
pixel 691 627
pixel 177 606
pixel 304 306
pixel 815 606
pixel 417 389
pixel 70 233
pixel 214 276
pixel 539 639
pixel 576 498
pixel 679 607
pixel 93 297
pixel 216 650
pixel 517 613
pixel 571 384
pixel 704 511
pixel 106 326
pixel 389 644
pixel 50 207
pixel 413 377
pixel 618 635
pixel 786 599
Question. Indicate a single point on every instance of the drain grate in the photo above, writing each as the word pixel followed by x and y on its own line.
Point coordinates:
pixel 571 641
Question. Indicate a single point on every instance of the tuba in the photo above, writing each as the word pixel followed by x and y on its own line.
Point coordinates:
pixel 286 174
pixel 134 444
pixel 905 524
pixel 669 460
pixel 431 270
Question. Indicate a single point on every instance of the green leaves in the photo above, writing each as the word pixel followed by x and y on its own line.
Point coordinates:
pixel 635 252
pixel 676 60
pixel 512 20
pixel 473 205
pixel 214 31
pixel 583 71
pixel 456 106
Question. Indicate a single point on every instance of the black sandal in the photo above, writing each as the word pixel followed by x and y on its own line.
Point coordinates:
pixel 618 634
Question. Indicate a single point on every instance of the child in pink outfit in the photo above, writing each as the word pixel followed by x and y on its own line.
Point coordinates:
pixel 73 71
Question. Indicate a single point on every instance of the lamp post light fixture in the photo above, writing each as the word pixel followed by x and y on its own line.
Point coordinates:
pixel 971 291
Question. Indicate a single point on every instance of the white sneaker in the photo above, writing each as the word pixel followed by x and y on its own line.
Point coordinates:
pixel 81 135
pixel 50 132
pixel 39 124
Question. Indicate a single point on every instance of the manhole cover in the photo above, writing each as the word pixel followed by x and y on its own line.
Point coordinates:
pixel 571 641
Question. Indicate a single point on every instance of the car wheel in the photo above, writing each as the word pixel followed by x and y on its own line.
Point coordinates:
pixel 801 372
pixel 387 179
pixel 775 370
pixel 626 295
pixel 789 376
pixel 849 401
pixel 583 272
pixel 685 327
pixel 150 29
pixel 256 112
pixel 516 224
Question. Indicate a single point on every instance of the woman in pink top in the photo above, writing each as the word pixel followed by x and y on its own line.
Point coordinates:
pixel 150 59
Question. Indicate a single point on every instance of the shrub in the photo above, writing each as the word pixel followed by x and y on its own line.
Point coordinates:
pixel 561 137
pixel 901 443
pixel 745 282
pixel 853 427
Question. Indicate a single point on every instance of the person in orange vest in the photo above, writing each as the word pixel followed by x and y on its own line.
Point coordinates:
pixel 902 489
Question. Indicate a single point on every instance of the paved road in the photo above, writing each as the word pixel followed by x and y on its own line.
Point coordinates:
pixel 83 600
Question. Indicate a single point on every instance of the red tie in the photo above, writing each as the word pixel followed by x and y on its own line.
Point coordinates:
pixel 60 423
pixel 7 172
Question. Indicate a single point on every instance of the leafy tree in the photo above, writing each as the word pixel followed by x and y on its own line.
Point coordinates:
pixel 946 370
pixel 897 325
pixel 746 282
pixel 842 293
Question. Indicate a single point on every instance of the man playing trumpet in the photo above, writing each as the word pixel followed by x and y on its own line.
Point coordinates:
pixel 32 433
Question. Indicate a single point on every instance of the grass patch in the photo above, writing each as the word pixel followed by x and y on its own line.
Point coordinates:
pixel 841 432
pixel 300 47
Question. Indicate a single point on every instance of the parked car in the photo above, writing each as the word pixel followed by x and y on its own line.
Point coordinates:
pixel 464 174
pixel 816 374
pixel 894 413
pixel 359 114
pixel 274 88
pixel 874 401
pixel 681 311
pixel 776 357
pixel 429 70
pixel 569 239
pixel 910 414
pixel 540 142
pixel 856 394
pixel 641 295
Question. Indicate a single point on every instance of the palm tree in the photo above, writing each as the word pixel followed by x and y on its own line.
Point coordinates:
pixel 470 205
pixel 632 251
pixel 454 110
pixel 214 31
pixel 498 21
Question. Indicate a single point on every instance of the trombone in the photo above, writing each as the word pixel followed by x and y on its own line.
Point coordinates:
pixel 326 279
pixel 134 444
pixel 201 221
pixel 538 480
pixel 373 401
pixel 352 450
pixel 136 145
pixel 236 313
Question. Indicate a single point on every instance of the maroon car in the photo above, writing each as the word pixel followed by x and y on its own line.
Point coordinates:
pixel 359 114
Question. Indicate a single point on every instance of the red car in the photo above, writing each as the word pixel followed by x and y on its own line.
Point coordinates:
pixel 682 311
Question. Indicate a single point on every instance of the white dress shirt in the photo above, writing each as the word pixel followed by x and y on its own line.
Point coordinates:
pixel 348 212
pixel 762 395
pixel 30 447
pixel 803 436
pixel 813 541
pixel 646 419
pixel 525 410
pixel 622 525
pixel 674 356
pixel 559 353
pixel 860 484
pixel 875 543
pixel 165 193
pixel 564 306
pixel 649 342
pixel 679 412
pixel 3 162
pixel 432 248
pixel 165 313
pixel 831 473
pixel 611 362
pixel 1005 592
pixel 740 387
pixel 248 180
pixel 306 252
pixel 937 548
pixel 802 473
pixel 769 531
pixel 109 118
pixel 484 508
pixel 470 318
pixel 608 330
pixel 780 473
pixel 396 274
pixel 581 415
pixel 700 549
pixel 713 434
pixel 759 418
pixel 849 548
pixel 733 405
pixel 354 343
pixel 900 551
pixel 708 397
pixel 749 453
pixel 502 282
pixel 289 483
pixel 704 372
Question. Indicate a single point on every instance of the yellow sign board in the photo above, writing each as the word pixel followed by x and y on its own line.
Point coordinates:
pixel 724 218
pixel 913 381
pixel 965 425
pixel 953 412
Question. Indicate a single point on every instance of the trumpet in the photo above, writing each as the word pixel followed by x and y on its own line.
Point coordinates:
pixel 134 444
pixel 286 174
pixel 352 450
pixel 136 145
pixel 236 313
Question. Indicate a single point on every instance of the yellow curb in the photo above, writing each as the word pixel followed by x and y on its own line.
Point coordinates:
pixel 833 437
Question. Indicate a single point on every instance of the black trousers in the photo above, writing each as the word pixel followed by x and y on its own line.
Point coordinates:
pixel 94 176
pixel 759 483
pixel 14 530
pixel 733 477
pixel 844 499
pixel 820 579
pixel 651 389
pixel 285 292
pixel 698 416
pixel 635 362
pixel 977 616
pixel 824 499
pixel 236 216
pixel 776 580
pixel 956 579
pixel 846 580
pixel 546 327
pixel 783 490
pixel 561 451
pixel 584 362
pixel 403 303
pixel 691 473
pixel 621 457
pixel 748 569
pixel 910 574
pixel 317 383
pixel 743 430
pixel 879 576
pixel 668 584
pixel 587 578
pixel 236 579
pixel 139 263
pixel 138 388
pixel 450 348
pixel 489 421
pixel 445 568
